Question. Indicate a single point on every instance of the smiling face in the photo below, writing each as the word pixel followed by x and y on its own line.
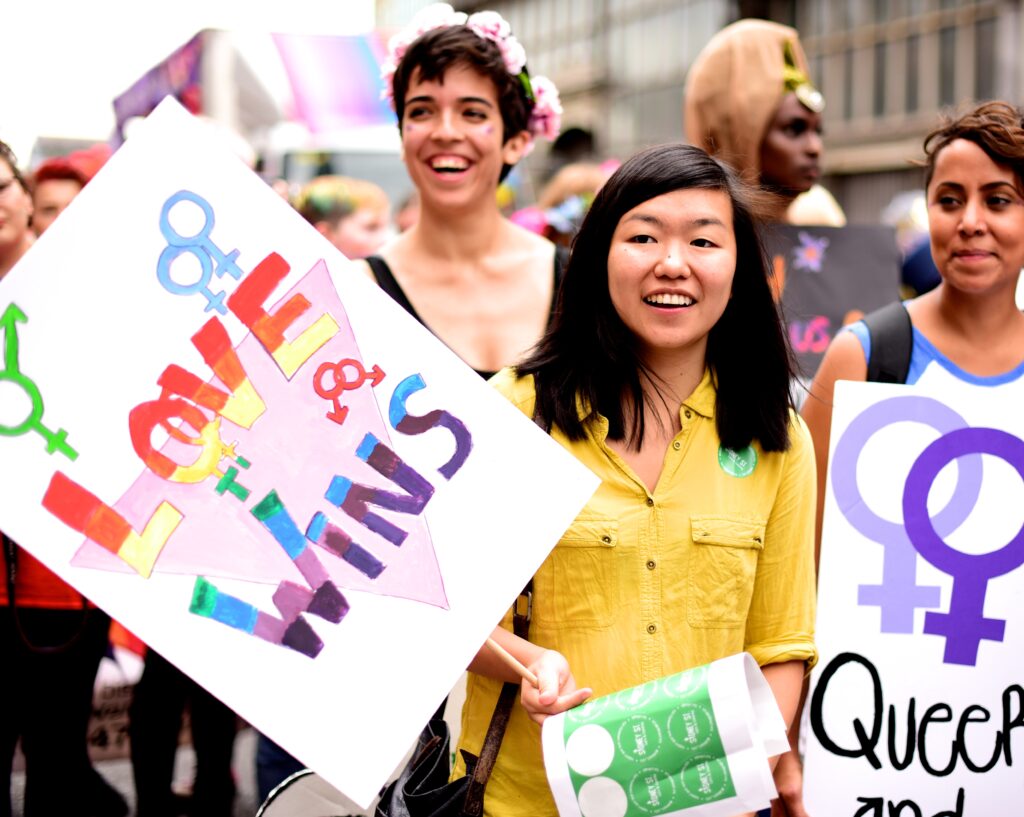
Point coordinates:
pixel 791 149
pixel 452 138
pixel 670 270
pixel 975 219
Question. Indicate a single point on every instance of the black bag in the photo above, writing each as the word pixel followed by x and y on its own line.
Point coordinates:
pixel 422 789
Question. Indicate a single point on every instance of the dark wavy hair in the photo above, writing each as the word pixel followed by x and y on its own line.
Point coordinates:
pixel 589 355
pixel 441 49
pixel 996 127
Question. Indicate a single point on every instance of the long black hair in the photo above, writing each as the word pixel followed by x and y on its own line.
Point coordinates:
pixel 589 357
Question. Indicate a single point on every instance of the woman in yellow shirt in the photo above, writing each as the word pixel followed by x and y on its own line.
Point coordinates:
pixel 665 371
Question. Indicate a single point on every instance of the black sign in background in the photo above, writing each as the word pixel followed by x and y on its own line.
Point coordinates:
pixel 828 273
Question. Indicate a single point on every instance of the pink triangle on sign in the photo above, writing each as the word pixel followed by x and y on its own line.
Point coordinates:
pixel 297 450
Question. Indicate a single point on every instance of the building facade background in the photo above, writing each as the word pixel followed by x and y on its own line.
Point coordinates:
pixel 888 68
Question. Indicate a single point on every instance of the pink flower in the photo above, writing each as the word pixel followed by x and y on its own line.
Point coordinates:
pixel 490 25
pixel 513 53
pixel 546 117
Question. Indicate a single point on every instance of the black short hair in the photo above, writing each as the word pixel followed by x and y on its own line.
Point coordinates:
pixel 441 49
pixel 589 356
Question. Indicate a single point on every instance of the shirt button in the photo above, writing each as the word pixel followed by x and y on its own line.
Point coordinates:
pixel 677 445
pixel 650 502
pixel 652 628
pixel 687 414
pixel 606 539
pixel 651 564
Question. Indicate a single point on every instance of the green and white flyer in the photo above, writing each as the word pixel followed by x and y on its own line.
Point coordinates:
pixel 694 744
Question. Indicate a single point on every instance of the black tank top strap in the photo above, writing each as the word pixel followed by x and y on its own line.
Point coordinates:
pixel 386 281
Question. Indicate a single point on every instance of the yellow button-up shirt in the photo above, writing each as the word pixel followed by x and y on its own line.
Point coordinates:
pixel 717 560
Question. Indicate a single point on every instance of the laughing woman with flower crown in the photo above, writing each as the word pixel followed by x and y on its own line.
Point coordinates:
pixel 468 110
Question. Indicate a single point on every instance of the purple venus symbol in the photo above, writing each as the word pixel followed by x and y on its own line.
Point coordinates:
pixel 899 594
pixel 965 625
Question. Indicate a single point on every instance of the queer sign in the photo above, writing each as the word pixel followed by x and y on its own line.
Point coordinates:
pixel 221 432
pixel 917 704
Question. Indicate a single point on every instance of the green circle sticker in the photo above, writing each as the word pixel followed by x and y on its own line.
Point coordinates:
pixel 685 683
pixel 737 463
pixel 639 738
pixel 653 791
pixel 630 700
pixel 705 778
pixel 691 726
pixel 590 710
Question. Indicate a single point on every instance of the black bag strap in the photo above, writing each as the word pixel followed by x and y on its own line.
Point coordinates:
pixel 892 341
pixel 474 802
pixel 11 558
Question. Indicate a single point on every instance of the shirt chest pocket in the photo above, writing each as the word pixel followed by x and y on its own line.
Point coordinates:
pixel 722 569
pixel 575 586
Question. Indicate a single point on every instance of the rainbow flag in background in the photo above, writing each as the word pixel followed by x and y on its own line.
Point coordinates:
pixel 335 80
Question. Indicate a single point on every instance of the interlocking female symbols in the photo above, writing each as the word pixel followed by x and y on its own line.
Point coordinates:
pixel 11 373
pixel 199 245
pixel 965 625
pixel 899 594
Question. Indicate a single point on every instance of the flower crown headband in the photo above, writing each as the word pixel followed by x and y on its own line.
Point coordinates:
pixel 546 116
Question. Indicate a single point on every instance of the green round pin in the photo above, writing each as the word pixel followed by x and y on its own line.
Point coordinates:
pixel 737 463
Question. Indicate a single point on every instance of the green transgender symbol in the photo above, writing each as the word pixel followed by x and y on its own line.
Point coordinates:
pixel 12 374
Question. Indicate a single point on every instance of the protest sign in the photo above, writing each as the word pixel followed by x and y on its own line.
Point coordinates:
pixel 829 277
pixel 223 434
pixel 917 703
pixel 695 743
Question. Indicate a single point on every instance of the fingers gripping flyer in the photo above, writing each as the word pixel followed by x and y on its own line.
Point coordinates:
pixel 696 743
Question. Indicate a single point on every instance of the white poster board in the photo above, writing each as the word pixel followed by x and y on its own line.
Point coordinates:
pixel 220 432
pixel 917 705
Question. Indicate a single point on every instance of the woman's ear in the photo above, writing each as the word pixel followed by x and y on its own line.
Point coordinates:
pixel 516 147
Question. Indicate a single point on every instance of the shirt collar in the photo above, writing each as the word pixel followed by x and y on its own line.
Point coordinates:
pixel 702 398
